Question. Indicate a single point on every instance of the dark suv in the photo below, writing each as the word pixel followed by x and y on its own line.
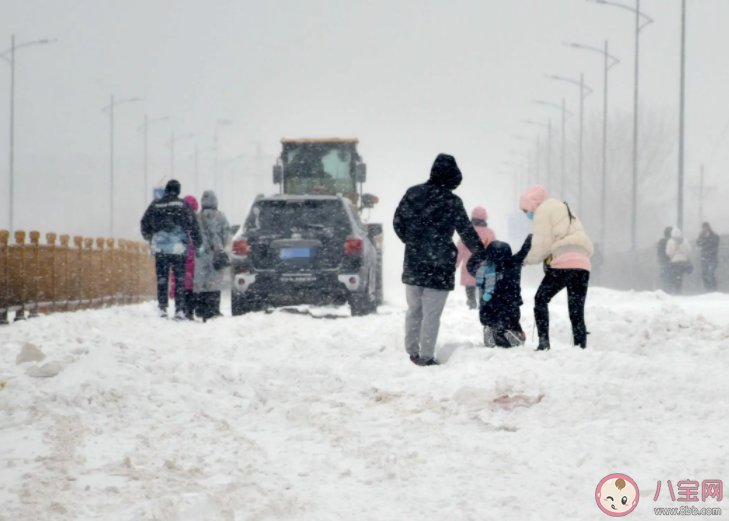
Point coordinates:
pixel 304 249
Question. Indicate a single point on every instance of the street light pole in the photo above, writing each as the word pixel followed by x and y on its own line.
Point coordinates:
pixel 549 147
pixel 109 110
pixel 145 127
pixel 566 114
pixel 634 207
pixel 609 62
pixel 173 140
pixel 681 139
pixel 603 185
pixel 11 62
pixel 564 121
pixel 12 132
pixel 218 124
pixel 583 96
pixel 638 28
pixel 111 168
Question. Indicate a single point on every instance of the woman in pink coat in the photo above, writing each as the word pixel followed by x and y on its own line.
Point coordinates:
pixel 189 271
pixel 478 219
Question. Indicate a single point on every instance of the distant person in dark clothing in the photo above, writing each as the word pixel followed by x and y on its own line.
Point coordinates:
pixel 169 224
pixel 425 221
pixel 708 241
pixel 498 277
pixel 664 262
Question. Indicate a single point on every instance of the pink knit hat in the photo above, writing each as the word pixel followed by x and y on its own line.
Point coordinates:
pixel 532 198
pixel 480 213
pixel 189 199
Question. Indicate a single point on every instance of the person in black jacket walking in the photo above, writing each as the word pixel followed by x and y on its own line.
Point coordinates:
pixel 169 224
pixel 425 221
pixel 708 241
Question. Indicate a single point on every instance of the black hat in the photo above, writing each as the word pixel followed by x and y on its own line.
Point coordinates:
pixel 173 188
pixel 445 172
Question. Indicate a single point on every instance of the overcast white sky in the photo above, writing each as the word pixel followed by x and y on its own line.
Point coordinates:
pixel 410 78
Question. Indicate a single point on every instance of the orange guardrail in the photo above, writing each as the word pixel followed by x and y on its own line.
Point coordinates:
pixel 84 274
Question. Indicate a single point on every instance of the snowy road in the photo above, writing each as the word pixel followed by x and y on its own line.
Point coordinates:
pixel 284 416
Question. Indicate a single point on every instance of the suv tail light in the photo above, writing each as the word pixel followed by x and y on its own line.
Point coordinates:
pixel 241 247
pixel 353 246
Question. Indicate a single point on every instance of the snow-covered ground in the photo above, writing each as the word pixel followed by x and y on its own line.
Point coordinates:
pixel 285 416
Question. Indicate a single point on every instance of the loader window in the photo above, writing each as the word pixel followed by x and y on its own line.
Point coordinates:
pixel 319 162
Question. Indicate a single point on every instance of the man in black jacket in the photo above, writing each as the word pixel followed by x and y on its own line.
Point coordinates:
pixel 425 221
pixel 169 224
pixel 708 241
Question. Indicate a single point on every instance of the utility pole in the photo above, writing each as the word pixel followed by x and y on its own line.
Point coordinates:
pixel 634 202
pixel 539 157
pixel 682 119
pixel 609 62
pixel 701 196
pixel 549 156
pixel 564 122
pixel 11 195
pixel 111 167
pixel 603 203
pixel 582 128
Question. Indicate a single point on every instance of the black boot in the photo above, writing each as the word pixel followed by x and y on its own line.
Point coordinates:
pixel 543 344
pixel 581 340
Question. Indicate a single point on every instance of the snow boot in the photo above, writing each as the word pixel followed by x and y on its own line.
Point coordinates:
pixel 581 341
pixel 543 344
pixel 162 313
pixel 415 359
pixel 427 363
pixel 515 339
pixel 488 337
pixel 180 316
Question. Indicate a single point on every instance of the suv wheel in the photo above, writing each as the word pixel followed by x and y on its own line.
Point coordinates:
pixel 242 304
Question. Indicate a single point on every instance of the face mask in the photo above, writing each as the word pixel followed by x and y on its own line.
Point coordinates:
pixel 530 216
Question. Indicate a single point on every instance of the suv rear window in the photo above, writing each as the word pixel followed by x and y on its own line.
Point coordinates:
pixel 285 215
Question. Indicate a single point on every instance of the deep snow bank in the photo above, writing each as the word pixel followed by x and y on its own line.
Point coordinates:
pixel 284 416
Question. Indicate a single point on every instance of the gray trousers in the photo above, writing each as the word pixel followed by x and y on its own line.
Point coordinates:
pixel 422 322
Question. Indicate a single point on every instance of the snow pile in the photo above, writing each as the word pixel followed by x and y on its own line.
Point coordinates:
pixel 113 414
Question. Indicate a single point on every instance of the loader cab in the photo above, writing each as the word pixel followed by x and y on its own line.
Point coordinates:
pixel 321 167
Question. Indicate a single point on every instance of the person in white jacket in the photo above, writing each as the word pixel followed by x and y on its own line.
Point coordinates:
pixel 560 242
pixel 678 251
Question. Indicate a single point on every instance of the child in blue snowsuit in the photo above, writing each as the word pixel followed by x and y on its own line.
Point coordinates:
pixel 498 277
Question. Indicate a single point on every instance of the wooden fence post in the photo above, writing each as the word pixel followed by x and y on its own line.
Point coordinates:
pixel 64 292
pixel 5 275
pixel 78 243
pixel 87 272
pixel 21 278
pixel 111 276
pixel 51 241
pixel 33 274
pixel 102 280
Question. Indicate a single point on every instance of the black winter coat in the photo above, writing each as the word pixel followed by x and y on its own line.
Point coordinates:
pixel 167 214
pixel 502 311
pixel 425 220
pixel 709 244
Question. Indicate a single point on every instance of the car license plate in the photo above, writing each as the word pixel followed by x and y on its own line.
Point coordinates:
pixel 298 277
pixel 297 253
